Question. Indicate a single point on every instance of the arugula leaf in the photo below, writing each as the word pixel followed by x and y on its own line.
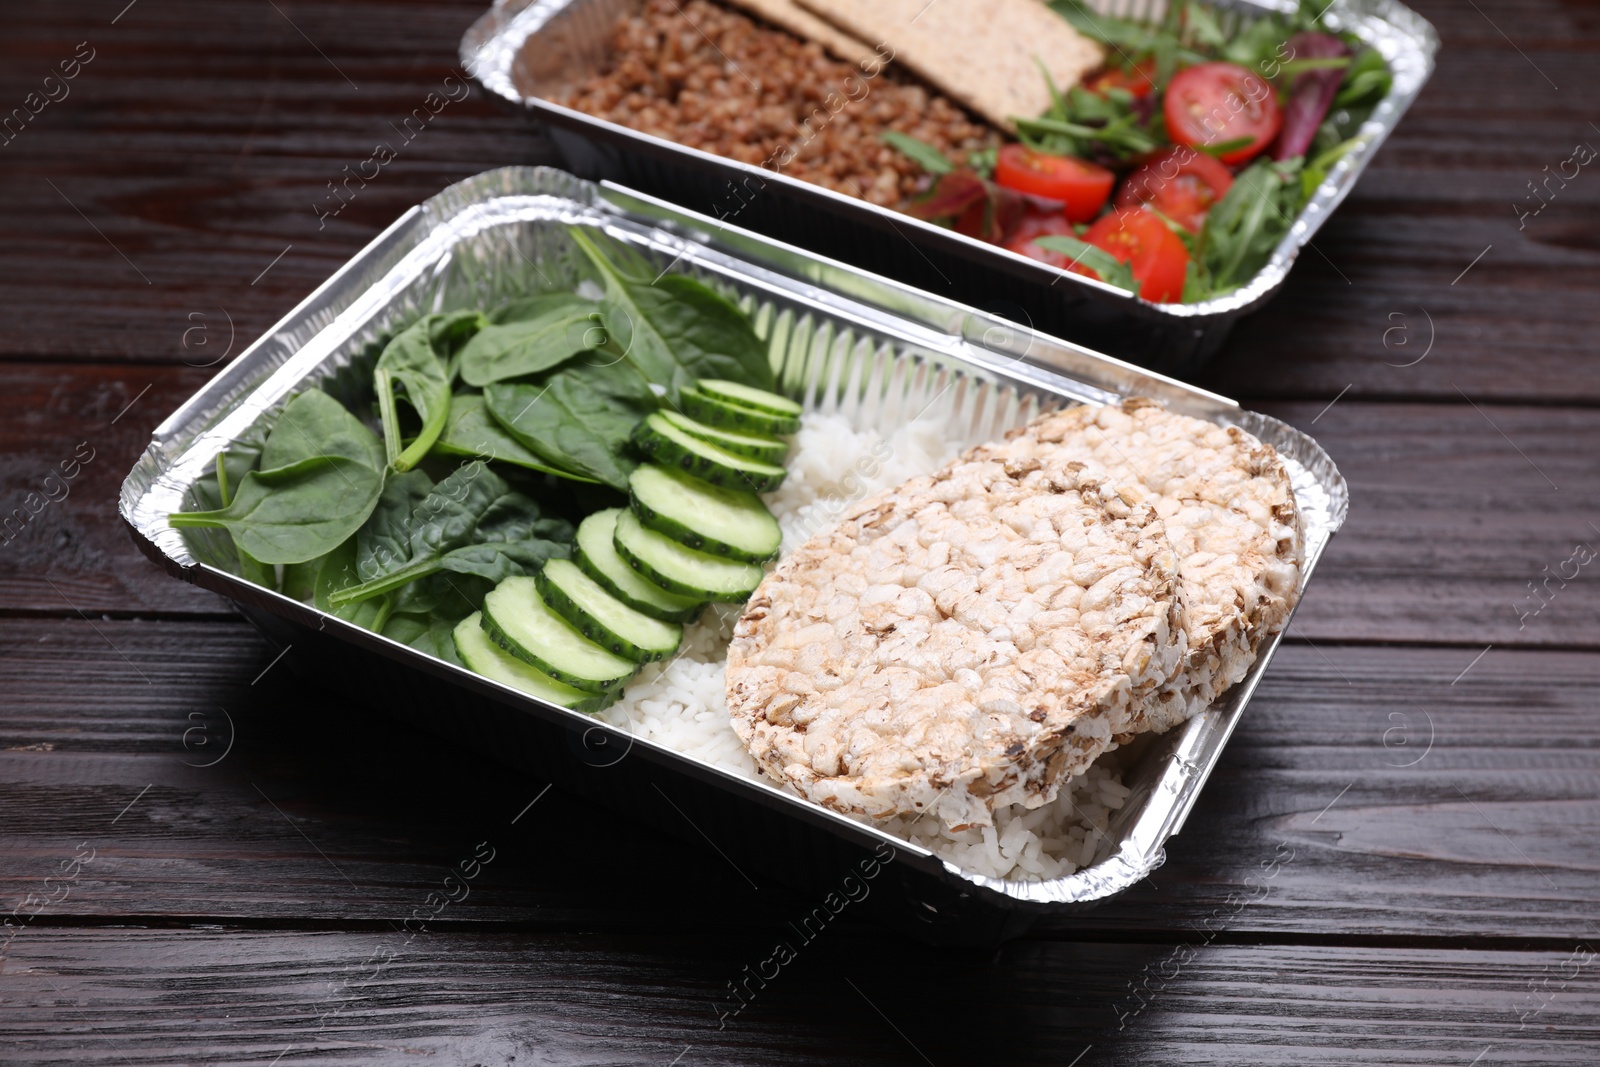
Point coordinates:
pixel 578 417
pixel 295 513
pixel 1244 227
pixel 1109 269
pixel 472 522
pixel 472 431
pixel 921 153
pixel 314 424
pixel 410 363
pixel 558 328
pixel 676 330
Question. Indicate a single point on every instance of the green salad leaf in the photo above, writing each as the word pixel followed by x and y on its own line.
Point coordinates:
pixel 1244 227
pixel 1110 269
pixel 431 633
pixel 472 522
pixel 314 424
pixel 296 513
pixel 553 328
pixel 411 367
pixel 578 417
pixel 472 431
pixel 921 153
pixel 675 329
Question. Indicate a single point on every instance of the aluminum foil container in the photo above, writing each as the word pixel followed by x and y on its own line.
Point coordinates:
pixel 526 51
pixel 841 340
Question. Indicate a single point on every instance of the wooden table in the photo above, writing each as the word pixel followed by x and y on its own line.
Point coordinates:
pixel 1395 864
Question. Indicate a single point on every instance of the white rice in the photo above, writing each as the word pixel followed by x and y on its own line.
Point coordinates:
pixel 681 704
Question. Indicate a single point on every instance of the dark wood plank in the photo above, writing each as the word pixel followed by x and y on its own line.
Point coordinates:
pixel 226 127
pixel 159 996
pixel 262 123
pixel 1365 795
pixel 1458 516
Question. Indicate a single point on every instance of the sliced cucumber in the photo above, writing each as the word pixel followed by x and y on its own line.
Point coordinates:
pixel 748 397
pixel 671 447
pixel 752 446
pixel 725 416
pixel 483 656
pixel 597 555
pixel 519 620
pixel 604 619
pixel 683 570
pixel 721 522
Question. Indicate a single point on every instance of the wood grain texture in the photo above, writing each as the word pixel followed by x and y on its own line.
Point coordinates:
pixel 1393 864
pixel 1364 795
pixel 227 995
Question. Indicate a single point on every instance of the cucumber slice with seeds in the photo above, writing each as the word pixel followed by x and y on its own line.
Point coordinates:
pixel 604 619
pixel 483 656
pixel 752 446
pixel 597 556
pixel 748 397
pixel 726 416
pixel 721 522
pixel 671 447
pixel 516 617
pixel 682 570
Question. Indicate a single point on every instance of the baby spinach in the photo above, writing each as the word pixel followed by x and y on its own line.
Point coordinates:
pixel 383 541
pixel 676 329
pixel 411 363
pixel 430 633
pixel 472 522
pixel 578 417
pixel 314 424
pixel 296 513
pixel 337 571
pixel 557 327
pixel 471 431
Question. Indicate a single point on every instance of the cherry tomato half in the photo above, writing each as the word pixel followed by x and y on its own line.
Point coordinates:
pixel 1035 226
pixel 1158 259
pixel 1081 186
pixel 1180 182
pixel 1215 103
pixel 1140 81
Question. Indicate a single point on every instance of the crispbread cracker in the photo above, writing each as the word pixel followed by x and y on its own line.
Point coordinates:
pixel 1230 515
pixel 961 643
pixel 788 15
pixel 980 52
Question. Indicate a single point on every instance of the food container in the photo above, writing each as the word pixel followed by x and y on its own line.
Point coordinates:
pixel 527 50
pixel 841 340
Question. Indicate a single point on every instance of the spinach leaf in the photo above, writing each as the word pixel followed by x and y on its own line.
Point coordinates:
pixel 432 634
pixel 384 540
pixel 578 417
pixel 314 424
pixel 296 513
pixel 450 331
pixel 472 522
pixel 336 572
pixel 558 329
pixel 242 457
pixel 410 363
pixel 675 329
pixel 471 431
